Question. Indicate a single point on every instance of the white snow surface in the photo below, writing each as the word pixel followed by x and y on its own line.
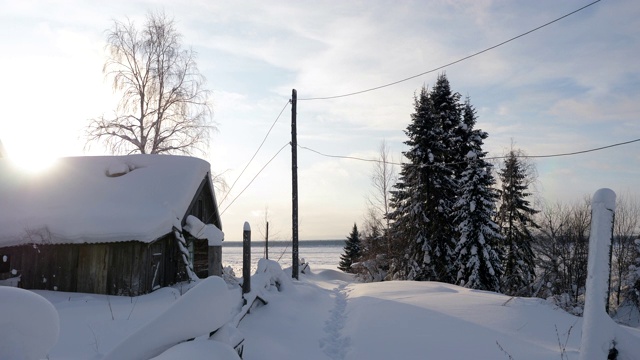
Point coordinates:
pixel 199 349
pixel 203 309
pixel 200 230
pixel 76 200
pixel 328 315
pixel 29 325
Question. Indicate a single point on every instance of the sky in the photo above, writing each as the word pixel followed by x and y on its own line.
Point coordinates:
pixel 567 87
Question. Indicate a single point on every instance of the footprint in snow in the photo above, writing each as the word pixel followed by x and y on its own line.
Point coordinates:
pixel 334 344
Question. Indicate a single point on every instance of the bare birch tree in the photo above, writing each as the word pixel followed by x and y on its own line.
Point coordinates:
pixel 164 106
pixel 383 178
pixel 376 244
pixel 561 249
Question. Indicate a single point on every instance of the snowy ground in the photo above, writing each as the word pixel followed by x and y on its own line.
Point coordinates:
pixel 326 315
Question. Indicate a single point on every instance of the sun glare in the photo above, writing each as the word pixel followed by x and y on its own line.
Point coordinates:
pixel 32 163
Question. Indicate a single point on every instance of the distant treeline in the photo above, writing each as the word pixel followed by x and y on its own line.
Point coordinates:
pixel 284 243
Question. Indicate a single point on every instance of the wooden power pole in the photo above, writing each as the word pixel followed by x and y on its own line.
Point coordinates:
pixel 294 185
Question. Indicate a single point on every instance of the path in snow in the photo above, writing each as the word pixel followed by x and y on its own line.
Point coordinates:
pixel 335 345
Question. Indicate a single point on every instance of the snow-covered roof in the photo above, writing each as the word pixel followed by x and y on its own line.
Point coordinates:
pixel 97 199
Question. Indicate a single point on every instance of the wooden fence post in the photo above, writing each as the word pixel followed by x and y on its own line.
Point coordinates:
pixel 246 258
pixel 597 327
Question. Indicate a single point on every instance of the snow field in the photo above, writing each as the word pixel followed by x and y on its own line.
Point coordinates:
pixel 326 315
pixel 203 309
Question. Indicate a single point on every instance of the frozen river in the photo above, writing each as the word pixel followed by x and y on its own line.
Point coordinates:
pixel 318 253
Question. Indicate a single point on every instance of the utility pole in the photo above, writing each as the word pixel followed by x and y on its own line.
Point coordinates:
pixel 294 184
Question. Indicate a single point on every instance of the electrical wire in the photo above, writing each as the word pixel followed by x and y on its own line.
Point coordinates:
pixel 453 62
pixel 569 153
pixel 250 182
pixel 347 157
pixel 256 153
pixel 487 158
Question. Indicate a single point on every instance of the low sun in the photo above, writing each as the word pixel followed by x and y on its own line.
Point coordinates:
pixel 32 162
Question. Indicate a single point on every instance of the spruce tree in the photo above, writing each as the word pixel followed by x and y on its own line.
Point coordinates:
pixel 351 251
pixel 421 220
pixel 515 218
pixel 408 218
pixel 476 254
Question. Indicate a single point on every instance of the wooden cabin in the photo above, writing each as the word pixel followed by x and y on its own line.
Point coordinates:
pixel 109 224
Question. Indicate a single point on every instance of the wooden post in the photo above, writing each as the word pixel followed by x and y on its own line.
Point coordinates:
pixel 215 260
pixel 294 184
pixel 597 327
pixel 246 258
pixel 266 243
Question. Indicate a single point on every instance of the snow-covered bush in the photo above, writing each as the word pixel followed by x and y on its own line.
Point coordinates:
pixel 370 270
pixel 270 275
pixel 229 276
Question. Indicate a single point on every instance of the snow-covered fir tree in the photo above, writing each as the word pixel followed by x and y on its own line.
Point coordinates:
pixel 515 218
pixel 421 220
pixel 408 221
pixel 351 253
pixel 477 260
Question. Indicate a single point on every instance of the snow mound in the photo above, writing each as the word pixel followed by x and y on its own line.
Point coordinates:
pixel 117 168
pixel 29 325
pixel 205 308
pixel 330 275
pixel 200 230
pixel 270 273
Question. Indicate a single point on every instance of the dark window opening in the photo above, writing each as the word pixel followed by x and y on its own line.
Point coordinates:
pixel 5 263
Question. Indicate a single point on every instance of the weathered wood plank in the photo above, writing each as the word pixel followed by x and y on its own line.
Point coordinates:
pixel 92 268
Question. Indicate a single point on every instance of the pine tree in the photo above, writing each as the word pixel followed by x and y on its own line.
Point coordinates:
pixel 351 251
pixel 421 220
pixel 476 254
pixel 515 218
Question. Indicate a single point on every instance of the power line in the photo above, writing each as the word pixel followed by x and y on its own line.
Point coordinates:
pixel 570 153
pixel 256 153
pixel 453 62
pixel 405 164
pixel 250 182
pixel 488 158
pixel 347 157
